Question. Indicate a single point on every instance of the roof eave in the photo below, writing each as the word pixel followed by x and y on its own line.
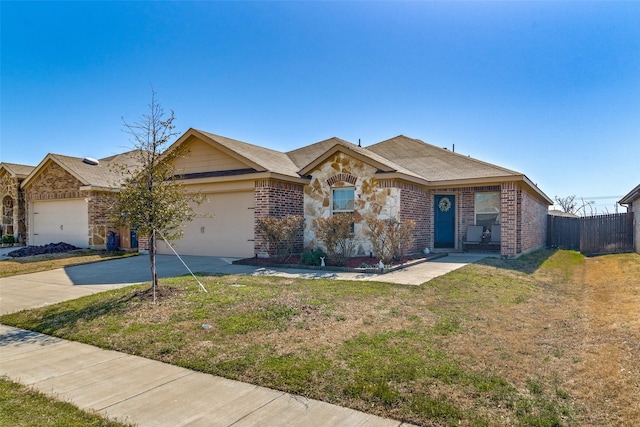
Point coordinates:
pixel 631 196
pixel 247 177
pixel 99 188
pixel 402 176
pixel 492 180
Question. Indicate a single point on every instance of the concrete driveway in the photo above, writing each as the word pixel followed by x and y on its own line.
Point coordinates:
pixel 49 287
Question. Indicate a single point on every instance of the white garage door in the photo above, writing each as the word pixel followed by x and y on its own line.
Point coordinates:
pixel 55 221
pixel 223 227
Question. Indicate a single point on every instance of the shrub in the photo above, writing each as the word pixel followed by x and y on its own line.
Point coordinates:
pixel 336 234
pixel 281 234
pixel 389 237
pixel 312 257
pixel 8 238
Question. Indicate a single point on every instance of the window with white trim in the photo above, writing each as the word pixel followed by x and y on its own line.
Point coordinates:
pixel 343 202
pixel 487 209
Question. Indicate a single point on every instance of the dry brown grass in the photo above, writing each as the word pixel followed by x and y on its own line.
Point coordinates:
pixel 581 337
pixel 33 264
pixel 609 346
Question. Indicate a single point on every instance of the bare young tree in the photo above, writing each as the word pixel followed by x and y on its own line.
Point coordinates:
pixel 567 204
pixel 151 198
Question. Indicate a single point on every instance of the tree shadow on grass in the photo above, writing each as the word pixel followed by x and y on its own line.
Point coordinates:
pixel 48 320
pixel 528 263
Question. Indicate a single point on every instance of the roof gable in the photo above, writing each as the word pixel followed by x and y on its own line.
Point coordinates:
pixel 252 156
pixel 308 158
pixel 17 170
pixel 101 175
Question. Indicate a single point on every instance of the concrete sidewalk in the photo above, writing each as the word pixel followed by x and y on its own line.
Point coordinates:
pixel 149 393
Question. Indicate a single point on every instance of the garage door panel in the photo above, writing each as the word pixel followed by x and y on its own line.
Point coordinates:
pixel 223 227
pixel 60 221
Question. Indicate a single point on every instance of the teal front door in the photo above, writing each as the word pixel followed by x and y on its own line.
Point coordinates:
pixel 445 221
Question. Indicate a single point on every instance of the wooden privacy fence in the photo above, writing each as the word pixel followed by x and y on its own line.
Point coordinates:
pixel 592 235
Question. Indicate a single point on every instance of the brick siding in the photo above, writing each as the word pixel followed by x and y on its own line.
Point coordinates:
pixel 509 201
pixel 415 204
pixel 533 226
pixel 277 199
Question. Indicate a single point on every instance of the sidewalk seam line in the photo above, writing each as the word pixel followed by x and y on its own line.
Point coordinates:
pixel 258 408
pixel 146 391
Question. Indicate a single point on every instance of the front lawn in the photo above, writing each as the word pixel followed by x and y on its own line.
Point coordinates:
pixel 497 343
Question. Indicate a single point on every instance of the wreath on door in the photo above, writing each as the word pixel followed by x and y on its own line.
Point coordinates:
pixel 444 205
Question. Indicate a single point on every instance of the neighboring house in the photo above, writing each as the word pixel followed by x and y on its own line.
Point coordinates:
pixel 404 178
pixel 67 200
pixel 632 200
pixel 13 206
pixel 556 212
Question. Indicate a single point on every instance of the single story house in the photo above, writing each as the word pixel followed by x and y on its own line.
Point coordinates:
pixel 447 194
pixel 67 200
pixel 13 206
pixel 632 200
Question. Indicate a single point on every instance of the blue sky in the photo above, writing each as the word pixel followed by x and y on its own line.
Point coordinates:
pixel 550 89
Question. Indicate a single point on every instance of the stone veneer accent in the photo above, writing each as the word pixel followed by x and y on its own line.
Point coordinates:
pixel 12 206
pixel 278 199
pixel 342 170
pixel 55 183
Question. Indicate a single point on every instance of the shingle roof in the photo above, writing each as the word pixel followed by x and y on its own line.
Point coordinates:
pixel 408 157
pixel 102 175
pixel 267 159
pixel 19 171
pixel 434 163
pixel 307 155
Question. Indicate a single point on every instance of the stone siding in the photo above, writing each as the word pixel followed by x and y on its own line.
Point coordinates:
pixel 13 206
pixel 99 224
pixel 342 170
pixel 55 183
